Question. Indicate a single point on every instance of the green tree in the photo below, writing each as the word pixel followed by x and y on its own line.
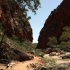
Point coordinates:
pixel 27 5
pixel 65 39
pixel 66 34
pixel 65 46
pixel 52 41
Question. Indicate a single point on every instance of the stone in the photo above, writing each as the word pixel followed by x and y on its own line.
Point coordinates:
pixel 52 54
pixel 57 20
pixel 48 51
pixel 66 56
pixel 62 52
pixel 12 22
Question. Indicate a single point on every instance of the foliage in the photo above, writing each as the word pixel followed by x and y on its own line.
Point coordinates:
pixel 66 34
pixel 65 46
pixel 24 46
pixel 4 39
pixel 49 68
pixel 39 52
pixel 38 68
pixel 49 60
pixel 2 32
pixel 65 37
pixel 57 49
pixel 65 40
pixel 25 5
pixel 34 45
pixel 52 41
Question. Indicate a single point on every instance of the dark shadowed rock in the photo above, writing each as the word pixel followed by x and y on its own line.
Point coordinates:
pixel 62 52
pixel 66 56
pixel 59 18
pixel 48 51
pixel 43 68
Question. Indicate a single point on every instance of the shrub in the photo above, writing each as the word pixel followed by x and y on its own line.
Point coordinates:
pixel 52 41
pixel 66 34
pixel 39 52
pixel 24 46
pixel 49 60
pixel 65 46
pixel 34 45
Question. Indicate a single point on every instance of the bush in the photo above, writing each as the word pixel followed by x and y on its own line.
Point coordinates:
pixel 52 41
pixel 39 52
pixel 15 43
pixel 24 46
pixel 34 45
pixel 64 46
pixel 66 34
pixel 49 60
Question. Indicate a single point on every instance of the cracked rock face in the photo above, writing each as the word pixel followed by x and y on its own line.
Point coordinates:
pixel 59 18
pixel 11 18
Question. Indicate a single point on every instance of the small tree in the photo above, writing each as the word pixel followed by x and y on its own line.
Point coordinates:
pixel 66 34
pixel 65 39
pixel 52 41
pixel 65 46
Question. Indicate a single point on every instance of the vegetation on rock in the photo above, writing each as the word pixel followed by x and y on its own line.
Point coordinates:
pixel 64 40
pixel 15 30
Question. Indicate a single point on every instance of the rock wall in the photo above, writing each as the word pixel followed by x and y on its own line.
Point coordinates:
pixel 59 18
pixel 11 18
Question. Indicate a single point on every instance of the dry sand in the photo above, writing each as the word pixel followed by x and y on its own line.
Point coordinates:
pixel 23 65
pixel 26 65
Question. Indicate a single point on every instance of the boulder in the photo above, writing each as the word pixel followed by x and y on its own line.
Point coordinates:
pixel 52 54
pixel 48 51
pixel 66 56
pixel 62 52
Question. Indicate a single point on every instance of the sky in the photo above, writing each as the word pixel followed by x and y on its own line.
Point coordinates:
pixel 37 21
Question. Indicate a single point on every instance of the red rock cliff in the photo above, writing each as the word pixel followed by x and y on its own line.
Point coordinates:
pixel 59 18
pixel 10 17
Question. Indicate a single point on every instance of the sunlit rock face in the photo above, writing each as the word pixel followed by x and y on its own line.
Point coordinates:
pixel 11 18
pixel 59 18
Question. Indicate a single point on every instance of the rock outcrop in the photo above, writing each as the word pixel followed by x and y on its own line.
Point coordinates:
pixel 59 18
pixel 11 18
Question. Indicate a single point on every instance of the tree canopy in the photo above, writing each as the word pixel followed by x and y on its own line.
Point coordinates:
pixel 66 34
pixel 21 7
pixel 27 5
pixel 52 41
